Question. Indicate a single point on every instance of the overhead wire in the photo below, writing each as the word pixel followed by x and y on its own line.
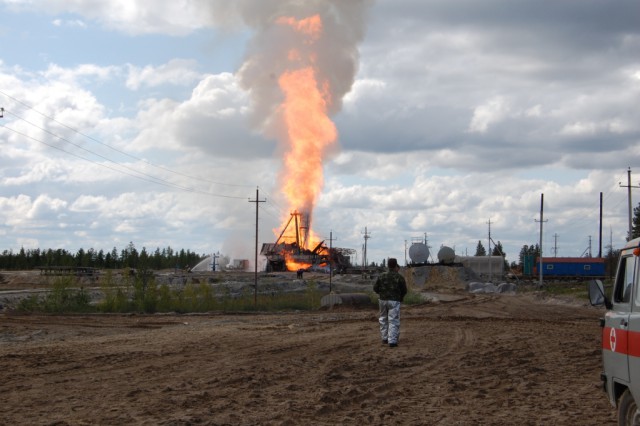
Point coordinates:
pixel 80 147
pixel 26 105
pixel 138 175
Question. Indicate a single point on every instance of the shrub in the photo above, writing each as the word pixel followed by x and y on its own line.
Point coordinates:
pixel 62 298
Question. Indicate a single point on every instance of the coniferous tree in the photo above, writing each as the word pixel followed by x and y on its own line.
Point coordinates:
pixel 497 250
pixel 80 258
pixel 635 222
pixel 27 259
pixel 114 258
pixel 480 250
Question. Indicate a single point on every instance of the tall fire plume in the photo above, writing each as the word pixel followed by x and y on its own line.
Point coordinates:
pixel 300 64
pixel 310 131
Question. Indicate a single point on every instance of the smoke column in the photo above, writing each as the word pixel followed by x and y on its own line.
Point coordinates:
pixel 300 63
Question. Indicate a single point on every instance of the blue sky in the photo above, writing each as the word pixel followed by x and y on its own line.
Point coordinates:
pixel 452 113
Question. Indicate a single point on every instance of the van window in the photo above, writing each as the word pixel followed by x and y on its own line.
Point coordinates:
pixel 625 279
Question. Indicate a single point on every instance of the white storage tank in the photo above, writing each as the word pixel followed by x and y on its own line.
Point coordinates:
pixel 446 255
pixel 419 253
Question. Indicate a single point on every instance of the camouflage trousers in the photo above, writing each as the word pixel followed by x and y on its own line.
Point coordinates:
pixel 389 320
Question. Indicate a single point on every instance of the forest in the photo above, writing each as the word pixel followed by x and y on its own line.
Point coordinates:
pixel 128 257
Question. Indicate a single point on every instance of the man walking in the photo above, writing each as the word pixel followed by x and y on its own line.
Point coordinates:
pixel 391 288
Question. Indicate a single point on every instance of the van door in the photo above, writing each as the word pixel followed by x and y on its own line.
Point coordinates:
pixel 615 334
pixel 633 341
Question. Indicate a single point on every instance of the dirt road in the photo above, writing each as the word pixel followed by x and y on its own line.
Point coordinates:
pixel 482 360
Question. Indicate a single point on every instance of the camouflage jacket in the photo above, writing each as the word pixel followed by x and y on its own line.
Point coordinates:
pixel 391 286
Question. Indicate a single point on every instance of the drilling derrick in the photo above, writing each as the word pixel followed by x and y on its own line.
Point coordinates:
pixel 290 252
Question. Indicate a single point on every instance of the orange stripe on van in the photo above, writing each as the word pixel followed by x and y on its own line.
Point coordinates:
pixel 621 341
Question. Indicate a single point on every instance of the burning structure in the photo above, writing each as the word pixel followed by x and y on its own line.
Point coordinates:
pixel 294 249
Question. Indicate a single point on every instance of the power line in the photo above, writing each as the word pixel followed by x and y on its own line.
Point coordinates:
pixel 80 147
pixel 279 210
pixel 139 175
pixel 107 145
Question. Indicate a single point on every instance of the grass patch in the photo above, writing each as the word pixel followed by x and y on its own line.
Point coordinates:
pixel 140 293
pixel 62 298
pixel 578 289
pixel 412 298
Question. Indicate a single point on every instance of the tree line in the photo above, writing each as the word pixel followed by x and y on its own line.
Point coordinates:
pixel 129 257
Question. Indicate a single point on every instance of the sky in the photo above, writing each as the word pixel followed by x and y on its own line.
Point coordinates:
pixel 155 122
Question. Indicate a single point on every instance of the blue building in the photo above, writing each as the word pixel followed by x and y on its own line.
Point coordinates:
pixel 570 266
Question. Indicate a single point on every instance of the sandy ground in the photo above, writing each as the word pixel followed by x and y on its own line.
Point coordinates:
pixel 477 360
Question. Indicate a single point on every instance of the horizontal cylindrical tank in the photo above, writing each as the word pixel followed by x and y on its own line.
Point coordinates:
pixel 446 255
pixel 419 253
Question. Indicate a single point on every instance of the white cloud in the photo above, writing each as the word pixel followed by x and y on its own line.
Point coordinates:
pixel 214 120
pixel 363 89
pixel 132 17
pixel 491 112
pixel 576 129
pixel 46 170
pixel 44 205
pixel 74 23
pixel 15 209
pixel 28 243
pixel 176 71
pixel 72 76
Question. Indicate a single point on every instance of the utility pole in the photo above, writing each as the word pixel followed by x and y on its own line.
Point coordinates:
pixel 213 265
pixel 489 251
pixel 405 252
pixel 541 222
pixel 330 258
pixel 255 265
pixel 600 231
pixel 629 186
pixel 364 254
pixel 555 245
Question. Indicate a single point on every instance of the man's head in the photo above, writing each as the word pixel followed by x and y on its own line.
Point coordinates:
pixel 393 263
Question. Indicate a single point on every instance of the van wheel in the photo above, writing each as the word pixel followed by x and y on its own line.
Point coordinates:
pixel 628 414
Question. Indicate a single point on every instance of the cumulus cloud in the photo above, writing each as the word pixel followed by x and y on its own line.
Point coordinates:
pixel 73 23
pixel 176 71
pixel 132 17
pixel 492 111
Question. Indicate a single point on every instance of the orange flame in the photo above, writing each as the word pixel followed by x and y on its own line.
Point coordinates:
pixel 292 265
pixel 311 26
pixel 309 130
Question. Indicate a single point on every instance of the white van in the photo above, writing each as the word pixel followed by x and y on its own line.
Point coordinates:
pixel 621 334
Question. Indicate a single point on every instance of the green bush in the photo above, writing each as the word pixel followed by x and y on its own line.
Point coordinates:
pixel 30 304
pixel 413 299
pixel 140 293
pixel 62 298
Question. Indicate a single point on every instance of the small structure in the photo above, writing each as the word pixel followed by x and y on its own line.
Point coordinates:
pixel 78 271
pixel 570 267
